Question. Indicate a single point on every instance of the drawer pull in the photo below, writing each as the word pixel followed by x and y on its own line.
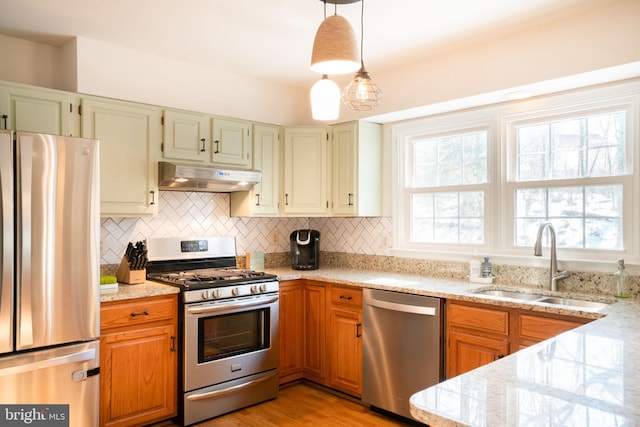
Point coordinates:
pixel 173 343
pixel 358 331
pixel 143 313
pixel 347 297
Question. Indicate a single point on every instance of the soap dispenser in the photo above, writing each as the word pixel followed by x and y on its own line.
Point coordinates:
pixel 622 281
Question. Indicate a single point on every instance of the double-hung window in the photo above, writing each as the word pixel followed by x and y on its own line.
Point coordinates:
pixel 573 170
pixel 445 186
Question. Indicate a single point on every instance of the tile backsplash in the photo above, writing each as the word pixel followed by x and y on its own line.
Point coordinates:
pixel 193 214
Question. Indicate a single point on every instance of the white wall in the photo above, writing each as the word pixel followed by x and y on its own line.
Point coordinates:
pixel 108 70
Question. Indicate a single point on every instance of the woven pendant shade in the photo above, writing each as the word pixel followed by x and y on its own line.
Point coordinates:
pixel 335 48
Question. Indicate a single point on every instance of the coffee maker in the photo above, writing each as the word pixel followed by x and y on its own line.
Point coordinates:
pixel 305 249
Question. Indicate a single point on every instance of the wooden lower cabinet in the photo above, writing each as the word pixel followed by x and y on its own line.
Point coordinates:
pixel 478 334
pixel 344 339
pixel 321 334
pixel 138 361
pixel 291 331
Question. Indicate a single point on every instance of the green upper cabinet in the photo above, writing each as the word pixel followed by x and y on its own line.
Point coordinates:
pixel 34 109
pixel 306 171
pixel 231 143
pixel 128 134
pixel 186 136
pixel 263 198
pixel 356 169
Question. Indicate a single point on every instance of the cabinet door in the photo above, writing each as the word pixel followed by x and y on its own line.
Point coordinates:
pixel 291 332
pixel 231 143
pixel 138 372
pixel 356 169
pixel 128 133
pixel 315 332
pixel 263 199
pixel 466 352
pixel 344 169
pixel 37 110
pixel 186 136
pixel 345 350
pixel 306 181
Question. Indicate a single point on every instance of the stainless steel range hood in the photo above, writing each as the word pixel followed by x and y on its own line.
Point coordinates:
pixel 177 177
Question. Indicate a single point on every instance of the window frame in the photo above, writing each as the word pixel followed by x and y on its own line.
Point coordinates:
pixel 434 128
pixel 499 215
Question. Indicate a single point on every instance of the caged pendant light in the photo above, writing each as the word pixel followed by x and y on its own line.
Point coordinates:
pixel 335 48
pixel 362 94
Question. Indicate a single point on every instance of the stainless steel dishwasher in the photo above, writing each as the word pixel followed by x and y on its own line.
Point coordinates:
pixel 402 348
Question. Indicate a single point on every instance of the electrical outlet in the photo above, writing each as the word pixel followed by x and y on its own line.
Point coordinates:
pixel 385 242
pixel 274 237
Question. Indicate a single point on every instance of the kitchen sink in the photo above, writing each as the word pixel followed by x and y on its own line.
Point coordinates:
pixel 510 294
pixel 570 302
pixel 537 298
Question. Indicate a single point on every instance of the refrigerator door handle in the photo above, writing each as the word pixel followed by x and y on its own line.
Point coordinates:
pixel 23 278
pixel 6 257
pixel 22 367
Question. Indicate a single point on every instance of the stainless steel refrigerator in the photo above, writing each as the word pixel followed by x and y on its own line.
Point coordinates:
pixel 49 289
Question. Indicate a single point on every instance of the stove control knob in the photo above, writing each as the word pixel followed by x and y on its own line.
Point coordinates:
pixel 214 293
pixel 205 295
pixel 254 289
pixel 263 288
pixel 234 292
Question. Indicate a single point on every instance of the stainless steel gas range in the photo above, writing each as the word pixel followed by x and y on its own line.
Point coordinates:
pixel 229 325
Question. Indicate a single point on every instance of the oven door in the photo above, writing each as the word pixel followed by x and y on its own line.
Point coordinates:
pixel 229 339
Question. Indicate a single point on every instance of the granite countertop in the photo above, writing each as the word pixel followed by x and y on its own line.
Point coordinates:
pixel 584 377
pixel 142 290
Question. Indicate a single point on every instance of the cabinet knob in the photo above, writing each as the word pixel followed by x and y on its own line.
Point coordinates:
pixel 4 121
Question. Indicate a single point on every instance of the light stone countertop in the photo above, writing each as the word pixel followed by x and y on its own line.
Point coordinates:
pixel 588 376
pixel 142 290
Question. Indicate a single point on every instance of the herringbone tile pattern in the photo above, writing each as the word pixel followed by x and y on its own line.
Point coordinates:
pixel 191 214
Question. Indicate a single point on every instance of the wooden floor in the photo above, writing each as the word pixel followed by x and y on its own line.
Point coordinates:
pixel 303 404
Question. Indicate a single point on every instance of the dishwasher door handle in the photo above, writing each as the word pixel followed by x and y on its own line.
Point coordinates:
pixel 404 308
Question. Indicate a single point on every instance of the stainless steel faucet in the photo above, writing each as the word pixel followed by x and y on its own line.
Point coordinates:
pixel 554 274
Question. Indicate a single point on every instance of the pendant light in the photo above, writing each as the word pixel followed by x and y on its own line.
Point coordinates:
pixel 335 48
pixel 325 99
pixel 362 94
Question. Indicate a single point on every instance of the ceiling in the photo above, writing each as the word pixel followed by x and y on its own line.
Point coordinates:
pixel 272 40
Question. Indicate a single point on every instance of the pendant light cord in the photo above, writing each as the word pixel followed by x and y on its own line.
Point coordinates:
pixel 362 34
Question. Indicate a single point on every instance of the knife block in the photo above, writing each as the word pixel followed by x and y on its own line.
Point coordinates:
pixel 124 274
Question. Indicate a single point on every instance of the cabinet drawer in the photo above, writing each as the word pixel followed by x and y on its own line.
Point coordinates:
pixel 542 328
pixel 139 311
pixel 481 319
pixel 347 296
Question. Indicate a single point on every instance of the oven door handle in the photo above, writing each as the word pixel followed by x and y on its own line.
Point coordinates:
pixel 218 393
pixel 233 304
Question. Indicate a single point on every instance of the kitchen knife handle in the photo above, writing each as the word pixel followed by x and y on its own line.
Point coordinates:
pixel 202 149
pixel 217 143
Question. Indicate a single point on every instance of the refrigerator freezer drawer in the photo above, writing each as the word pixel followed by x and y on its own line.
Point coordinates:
pixel 60 376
